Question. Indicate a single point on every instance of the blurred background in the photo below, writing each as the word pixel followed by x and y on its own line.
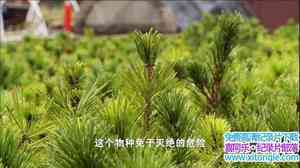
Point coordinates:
pixel 167 16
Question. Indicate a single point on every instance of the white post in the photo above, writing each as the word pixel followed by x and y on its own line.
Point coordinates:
pixel 2 34
pixel 35 19
pixel 75 5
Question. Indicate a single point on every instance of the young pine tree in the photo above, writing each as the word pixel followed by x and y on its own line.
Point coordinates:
pixel 146 78
pixel 148 47
pixel 208 78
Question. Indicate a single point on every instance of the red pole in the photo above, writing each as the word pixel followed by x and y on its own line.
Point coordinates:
pixel 68 14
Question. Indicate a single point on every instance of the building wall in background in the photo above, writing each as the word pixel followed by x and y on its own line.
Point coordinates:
pixel 273 13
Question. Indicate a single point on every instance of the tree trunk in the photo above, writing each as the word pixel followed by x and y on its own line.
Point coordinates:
pixel 148 109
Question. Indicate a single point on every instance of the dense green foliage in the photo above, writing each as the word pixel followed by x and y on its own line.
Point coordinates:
pixel 224 74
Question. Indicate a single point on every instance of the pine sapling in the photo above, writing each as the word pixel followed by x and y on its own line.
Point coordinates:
pixel 225 42
pixel 147 45
pixel 73 78
pixel 208 77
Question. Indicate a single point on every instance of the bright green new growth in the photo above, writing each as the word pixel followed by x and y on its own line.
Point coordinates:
pixel 147 45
